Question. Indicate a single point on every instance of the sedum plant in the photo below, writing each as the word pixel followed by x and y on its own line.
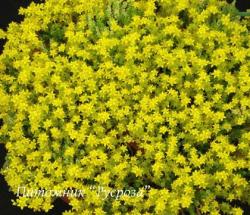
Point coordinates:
pixel 123 94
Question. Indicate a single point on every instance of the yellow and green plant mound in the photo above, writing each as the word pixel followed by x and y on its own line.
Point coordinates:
pixel 124 94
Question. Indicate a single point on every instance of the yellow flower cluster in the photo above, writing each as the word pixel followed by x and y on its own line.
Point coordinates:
pixel 125 94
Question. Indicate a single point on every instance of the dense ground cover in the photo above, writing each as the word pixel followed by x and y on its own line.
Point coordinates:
pixel 128 95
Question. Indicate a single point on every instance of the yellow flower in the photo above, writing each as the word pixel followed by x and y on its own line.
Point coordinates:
pixel 103 116
pixel 56 133
pixel 138 171
pixel 69 152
